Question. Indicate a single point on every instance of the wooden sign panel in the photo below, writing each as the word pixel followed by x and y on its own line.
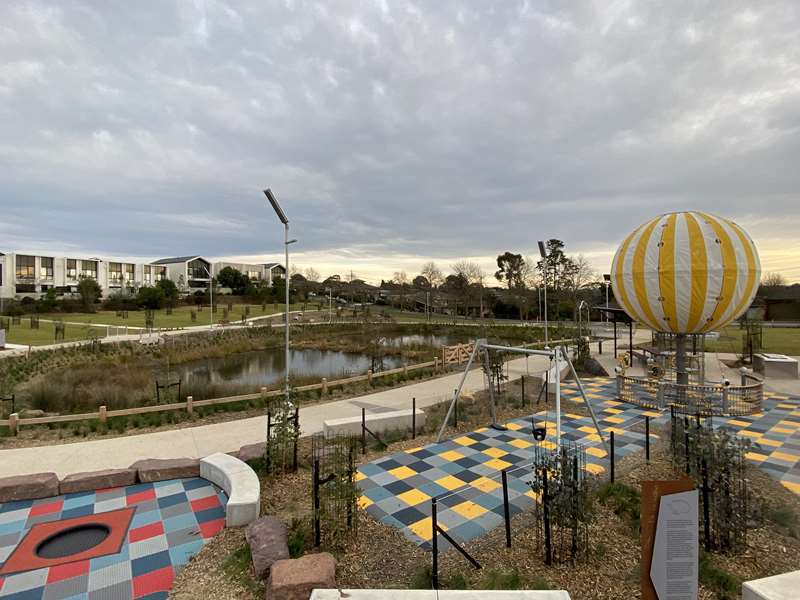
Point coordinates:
pixel 652 491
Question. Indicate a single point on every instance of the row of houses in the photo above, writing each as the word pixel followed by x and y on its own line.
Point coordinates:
pixel 30 275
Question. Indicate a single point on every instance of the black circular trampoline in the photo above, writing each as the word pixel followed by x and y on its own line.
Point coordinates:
pixel 72 541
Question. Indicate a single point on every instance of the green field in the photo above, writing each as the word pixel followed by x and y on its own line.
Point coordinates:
pixel 180 317
pixel 23 334
pixel 781 340
pixel 78 325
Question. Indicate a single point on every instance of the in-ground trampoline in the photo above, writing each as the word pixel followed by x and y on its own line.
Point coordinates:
pixel 117 543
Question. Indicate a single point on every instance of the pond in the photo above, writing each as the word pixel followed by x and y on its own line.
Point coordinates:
pixel 265 367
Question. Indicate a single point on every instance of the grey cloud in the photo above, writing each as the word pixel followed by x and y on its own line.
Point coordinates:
pixel 434 128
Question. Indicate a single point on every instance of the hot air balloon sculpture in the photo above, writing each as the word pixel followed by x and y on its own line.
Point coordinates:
pixel 686 273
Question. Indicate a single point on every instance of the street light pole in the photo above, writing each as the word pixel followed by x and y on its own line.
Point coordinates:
pixel 330 304
pixel 607 283
pixel 286 241
pixel 543 252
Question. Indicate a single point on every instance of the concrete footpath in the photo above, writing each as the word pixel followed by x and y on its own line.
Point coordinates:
pixel 200 441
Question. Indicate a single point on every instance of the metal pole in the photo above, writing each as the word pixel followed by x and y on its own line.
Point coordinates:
pixel 558 397
pixel 611 457
pixel 544 276
pixel 548 554
pixel 458 390
pixel 315 492
pixel 414 418
pixel 286 280
pixel 647 438
pixel 506 516
pixel 435 545
pixel 585 399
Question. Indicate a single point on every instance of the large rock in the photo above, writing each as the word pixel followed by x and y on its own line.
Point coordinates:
pixel 97 480
pixel 28 487
pixel 268 543
pixel 296 578
pixel 160 469
pixel 252 452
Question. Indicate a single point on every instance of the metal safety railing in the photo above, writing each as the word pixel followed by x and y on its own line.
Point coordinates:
pixel 710 399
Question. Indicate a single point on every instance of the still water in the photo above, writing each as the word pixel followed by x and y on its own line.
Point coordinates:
pixel 264 367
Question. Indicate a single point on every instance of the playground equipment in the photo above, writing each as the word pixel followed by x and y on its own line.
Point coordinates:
pixel 558 354
pixel 684 274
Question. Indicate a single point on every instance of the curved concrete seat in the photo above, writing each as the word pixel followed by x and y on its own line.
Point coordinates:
pixel 240 483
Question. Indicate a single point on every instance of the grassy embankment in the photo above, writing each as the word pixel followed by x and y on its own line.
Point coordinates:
pixel 781 340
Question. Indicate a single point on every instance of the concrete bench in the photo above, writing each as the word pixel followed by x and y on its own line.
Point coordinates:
pixel 777 587
pixel 240 483
pixel 375 422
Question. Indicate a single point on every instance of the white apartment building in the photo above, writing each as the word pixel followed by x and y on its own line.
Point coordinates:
pixel 33 275
pixel 268 272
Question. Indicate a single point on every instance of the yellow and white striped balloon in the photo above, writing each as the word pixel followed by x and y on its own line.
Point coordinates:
pixel 686 272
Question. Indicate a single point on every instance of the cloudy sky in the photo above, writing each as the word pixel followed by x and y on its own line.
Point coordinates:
pixel 394 132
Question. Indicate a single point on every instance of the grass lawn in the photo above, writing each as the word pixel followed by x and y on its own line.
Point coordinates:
pixel 781 340
pixel 180 317
pixel 23 334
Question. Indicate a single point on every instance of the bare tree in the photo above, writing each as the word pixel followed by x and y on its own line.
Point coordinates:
pixel 295 269
pixel 433 274
pixel 400 278
pixel 772 279
pixel 312 274
pixel 474 276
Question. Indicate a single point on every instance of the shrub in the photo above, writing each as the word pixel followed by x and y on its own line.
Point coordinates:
pixel 624 500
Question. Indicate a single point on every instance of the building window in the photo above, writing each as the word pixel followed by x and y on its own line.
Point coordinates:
pixel 115 273
pixel 129 273
pixel 160 273
pixel 89 269
pixel 46 268
pixel 72 268
pixel 197 269
pixel 147 273
pixel 254 275
pixel 26 267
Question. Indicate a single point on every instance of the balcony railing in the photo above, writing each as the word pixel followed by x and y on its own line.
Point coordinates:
pixel 710 399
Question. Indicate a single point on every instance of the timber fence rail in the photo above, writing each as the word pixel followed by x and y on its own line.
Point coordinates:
pixel 14 422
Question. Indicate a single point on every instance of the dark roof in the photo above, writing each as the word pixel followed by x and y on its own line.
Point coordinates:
pixel 615 313
pixel 177 259
pixel 271 266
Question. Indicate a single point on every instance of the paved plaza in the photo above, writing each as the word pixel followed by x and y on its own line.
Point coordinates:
pixel 464 472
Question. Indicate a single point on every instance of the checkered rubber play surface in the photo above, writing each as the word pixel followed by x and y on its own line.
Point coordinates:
pixel 173 520
pixel 464 472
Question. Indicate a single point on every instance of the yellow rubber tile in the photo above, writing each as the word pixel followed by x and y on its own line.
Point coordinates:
pixel 535 496
pixel 587 429
pixel 360 476
pixel 651 413
pixel 481 430
pixel 485 484
pixel 789 423
pixel 786 406
pixel 449 482
pixel 412 450
pixel 612 411
pixel 598 452
pixel 547 445
pixel 612 403
pixel 520 443
pixel 465 441
pixel 593 437
pixel 413 497
pixel 784 456
pixel 616 430
pixel 594 469
pixel 752 434
pixel 402 472
pixel 495 452
pixel 756 456
pixel 767 442
pixel 424 528
pixel 573 416
pixel 792 486
pixel 736 423
pixel 615 420
pixel 451 456
pixel 514 426
pixel 781 430
pixel 498 464
pixel 364 502
pixel 470 510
